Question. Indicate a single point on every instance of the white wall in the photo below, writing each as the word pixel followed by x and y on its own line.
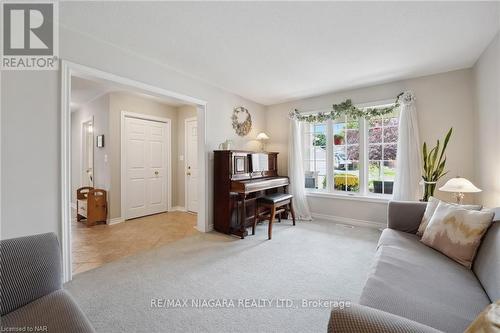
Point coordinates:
pixel 487 138
pixel 443 101
pixel 30 153
pixel 31 126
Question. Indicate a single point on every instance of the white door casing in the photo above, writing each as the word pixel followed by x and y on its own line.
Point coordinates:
pixel 145 165
pixel 69 69
pixel 191 164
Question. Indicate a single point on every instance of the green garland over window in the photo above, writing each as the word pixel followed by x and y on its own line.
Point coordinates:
pixel 344 109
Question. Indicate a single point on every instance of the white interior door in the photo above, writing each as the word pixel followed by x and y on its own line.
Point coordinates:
pixel 191 151
pixel 145 167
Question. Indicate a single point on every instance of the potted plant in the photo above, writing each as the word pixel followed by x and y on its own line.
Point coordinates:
pixel 338 139
pixel 384 187
pixel 434 166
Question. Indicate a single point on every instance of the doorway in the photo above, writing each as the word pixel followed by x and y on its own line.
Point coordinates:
pixel 200 220
pixel 191 149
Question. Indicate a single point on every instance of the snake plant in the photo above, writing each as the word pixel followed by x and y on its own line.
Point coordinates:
pixel 434 164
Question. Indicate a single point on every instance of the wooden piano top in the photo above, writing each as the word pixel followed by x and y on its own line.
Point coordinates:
pixel 245 151
pixel 258 184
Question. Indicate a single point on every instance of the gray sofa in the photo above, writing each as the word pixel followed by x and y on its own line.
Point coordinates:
pixel 413 288
pixel 32 298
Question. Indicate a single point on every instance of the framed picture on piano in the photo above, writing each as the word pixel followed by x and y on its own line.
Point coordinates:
pixel 240 163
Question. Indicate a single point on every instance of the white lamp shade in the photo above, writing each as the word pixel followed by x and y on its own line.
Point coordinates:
pixel 460 185
pixel 262 136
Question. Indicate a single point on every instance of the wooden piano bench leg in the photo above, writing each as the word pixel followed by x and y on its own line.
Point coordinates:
pixel 292 211
pixel 254 222
pixel 271 219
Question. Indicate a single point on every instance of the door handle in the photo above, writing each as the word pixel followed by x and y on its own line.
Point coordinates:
pixel 188 173
pixel 156 173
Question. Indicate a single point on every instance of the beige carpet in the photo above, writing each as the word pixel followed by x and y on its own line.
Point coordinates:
pixel 311 261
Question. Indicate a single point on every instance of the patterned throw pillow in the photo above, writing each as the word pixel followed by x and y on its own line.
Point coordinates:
pixel 487 321
pixel 456 232
pixel 431 207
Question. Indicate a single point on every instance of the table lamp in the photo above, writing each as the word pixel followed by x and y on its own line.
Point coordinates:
pixel 262 137
pixel 459 186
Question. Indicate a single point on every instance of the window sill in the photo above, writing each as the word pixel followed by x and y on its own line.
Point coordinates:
pixel 353 197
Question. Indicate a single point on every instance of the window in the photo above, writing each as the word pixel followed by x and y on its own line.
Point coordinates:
pixel 382 148
pixel 315 155
pixel 351 156
pixel 346 155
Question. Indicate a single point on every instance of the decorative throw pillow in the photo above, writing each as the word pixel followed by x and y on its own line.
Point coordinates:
pixel 456 232
pixel 488 321
pixel 431 207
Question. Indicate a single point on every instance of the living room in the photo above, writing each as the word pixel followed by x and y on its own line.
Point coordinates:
pixel 312 119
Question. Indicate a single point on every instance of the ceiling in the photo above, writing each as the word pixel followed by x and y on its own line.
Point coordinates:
pixel 271 52
pixel 87 89
pixel 84 91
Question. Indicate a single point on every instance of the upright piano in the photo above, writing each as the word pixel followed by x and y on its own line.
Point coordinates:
pixel 240 177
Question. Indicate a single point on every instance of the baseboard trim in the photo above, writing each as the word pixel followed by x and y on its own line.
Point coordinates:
pixel 350 221
pixel 178 209
pixel 116 220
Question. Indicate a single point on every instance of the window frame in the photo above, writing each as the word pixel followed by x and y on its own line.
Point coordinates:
pixel 331 155
pixel 363 194
pixel 306 132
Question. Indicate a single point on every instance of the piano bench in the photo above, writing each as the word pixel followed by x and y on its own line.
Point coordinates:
pixel 274 202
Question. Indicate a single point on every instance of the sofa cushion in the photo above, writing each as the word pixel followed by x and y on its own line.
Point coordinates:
pixel 432 204
pixel 457 232
pixel 487 321
pixel 57 312
pixel 414 281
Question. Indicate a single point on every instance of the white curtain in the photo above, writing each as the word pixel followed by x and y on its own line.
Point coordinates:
pixel 408 170
pixel 296 172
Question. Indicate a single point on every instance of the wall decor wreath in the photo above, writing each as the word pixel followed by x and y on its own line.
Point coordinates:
pixel 241 128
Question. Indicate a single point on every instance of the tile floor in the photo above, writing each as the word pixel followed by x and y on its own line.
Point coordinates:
pixel 101 244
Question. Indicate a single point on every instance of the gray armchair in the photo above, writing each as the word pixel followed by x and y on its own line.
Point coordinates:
pixel 363 319
pixel 31 288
